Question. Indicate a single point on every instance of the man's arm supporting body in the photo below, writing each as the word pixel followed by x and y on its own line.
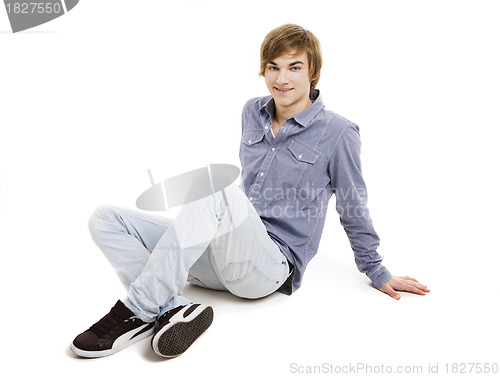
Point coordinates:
pixel 351 204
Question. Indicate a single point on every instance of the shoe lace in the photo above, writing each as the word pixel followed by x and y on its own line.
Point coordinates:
pixel 108 323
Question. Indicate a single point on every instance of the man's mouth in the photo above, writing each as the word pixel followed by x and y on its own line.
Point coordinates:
pixel 283 90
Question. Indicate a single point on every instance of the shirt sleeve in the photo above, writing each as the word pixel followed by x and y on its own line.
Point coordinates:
pixel 351 204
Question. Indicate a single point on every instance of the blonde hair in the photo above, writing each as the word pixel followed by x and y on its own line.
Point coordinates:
pixel 290 37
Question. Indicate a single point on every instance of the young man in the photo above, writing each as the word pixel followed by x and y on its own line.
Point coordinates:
pixel 294 155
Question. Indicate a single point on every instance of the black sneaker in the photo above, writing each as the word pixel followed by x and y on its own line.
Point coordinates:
pixel 178 328
pixel 115 331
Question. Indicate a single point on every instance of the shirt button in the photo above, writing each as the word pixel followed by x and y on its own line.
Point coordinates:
pixel 250 141
pixel 266 127
pixel 273 149
pixel 250 198
pixel 261 174
pixel 300 155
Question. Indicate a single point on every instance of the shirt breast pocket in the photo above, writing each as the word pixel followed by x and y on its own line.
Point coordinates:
pixel 252 137
pixel 303 168
pixel 303 152
pixel 252 151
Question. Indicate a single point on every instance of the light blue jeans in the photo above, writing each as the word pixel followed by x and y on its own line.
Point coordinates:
pixel 211 243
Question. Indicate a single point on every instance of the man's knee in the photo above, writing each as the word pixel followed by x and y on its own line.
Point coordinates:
pixel 102 215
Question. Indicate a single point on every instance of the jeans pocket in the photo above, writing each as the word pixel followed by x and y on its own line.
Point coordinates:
pixel 248 280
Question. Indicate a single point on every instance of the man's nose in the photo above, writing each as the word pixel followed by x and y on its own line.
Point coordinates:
pixel 282 77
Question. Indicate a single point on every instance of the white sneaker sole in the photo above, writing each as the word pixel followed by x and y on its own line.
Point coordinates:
pixel 176 337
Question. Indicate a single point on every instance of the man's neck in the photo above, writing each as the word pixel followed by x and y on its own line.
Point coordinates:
pixel 283 113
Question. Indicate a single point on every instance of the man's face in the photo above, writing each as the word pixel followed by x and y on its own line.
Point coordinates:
pixel 287 79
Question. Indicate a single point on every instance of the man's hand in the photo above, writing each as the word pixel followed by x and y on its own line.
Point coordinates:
pixel 403 283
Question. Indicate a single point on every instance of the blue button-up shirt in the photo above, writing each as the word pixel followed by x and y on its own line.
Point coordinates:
pixel 291 177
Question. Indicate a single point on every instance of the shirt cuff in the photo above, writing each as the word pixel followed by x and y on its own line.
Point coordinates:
pixel 379 276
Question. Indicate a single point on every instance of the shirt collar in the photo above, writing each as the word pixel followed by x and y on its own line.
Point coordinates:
pixel 303 118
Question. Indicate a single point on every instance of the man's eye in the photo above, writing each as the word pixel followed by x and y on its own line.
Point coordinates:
pixel 295 68
pixel 272 68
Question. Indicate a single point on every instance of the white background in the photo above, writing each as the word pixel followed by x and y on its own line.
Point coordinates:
pixel 91 100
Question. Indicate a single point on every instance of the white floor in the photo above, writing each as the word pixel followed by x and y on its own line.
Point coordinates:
pixel 336 320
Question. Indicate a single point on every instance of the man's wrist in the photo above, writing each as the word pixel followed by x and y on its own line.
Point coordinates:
pixel 379 276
